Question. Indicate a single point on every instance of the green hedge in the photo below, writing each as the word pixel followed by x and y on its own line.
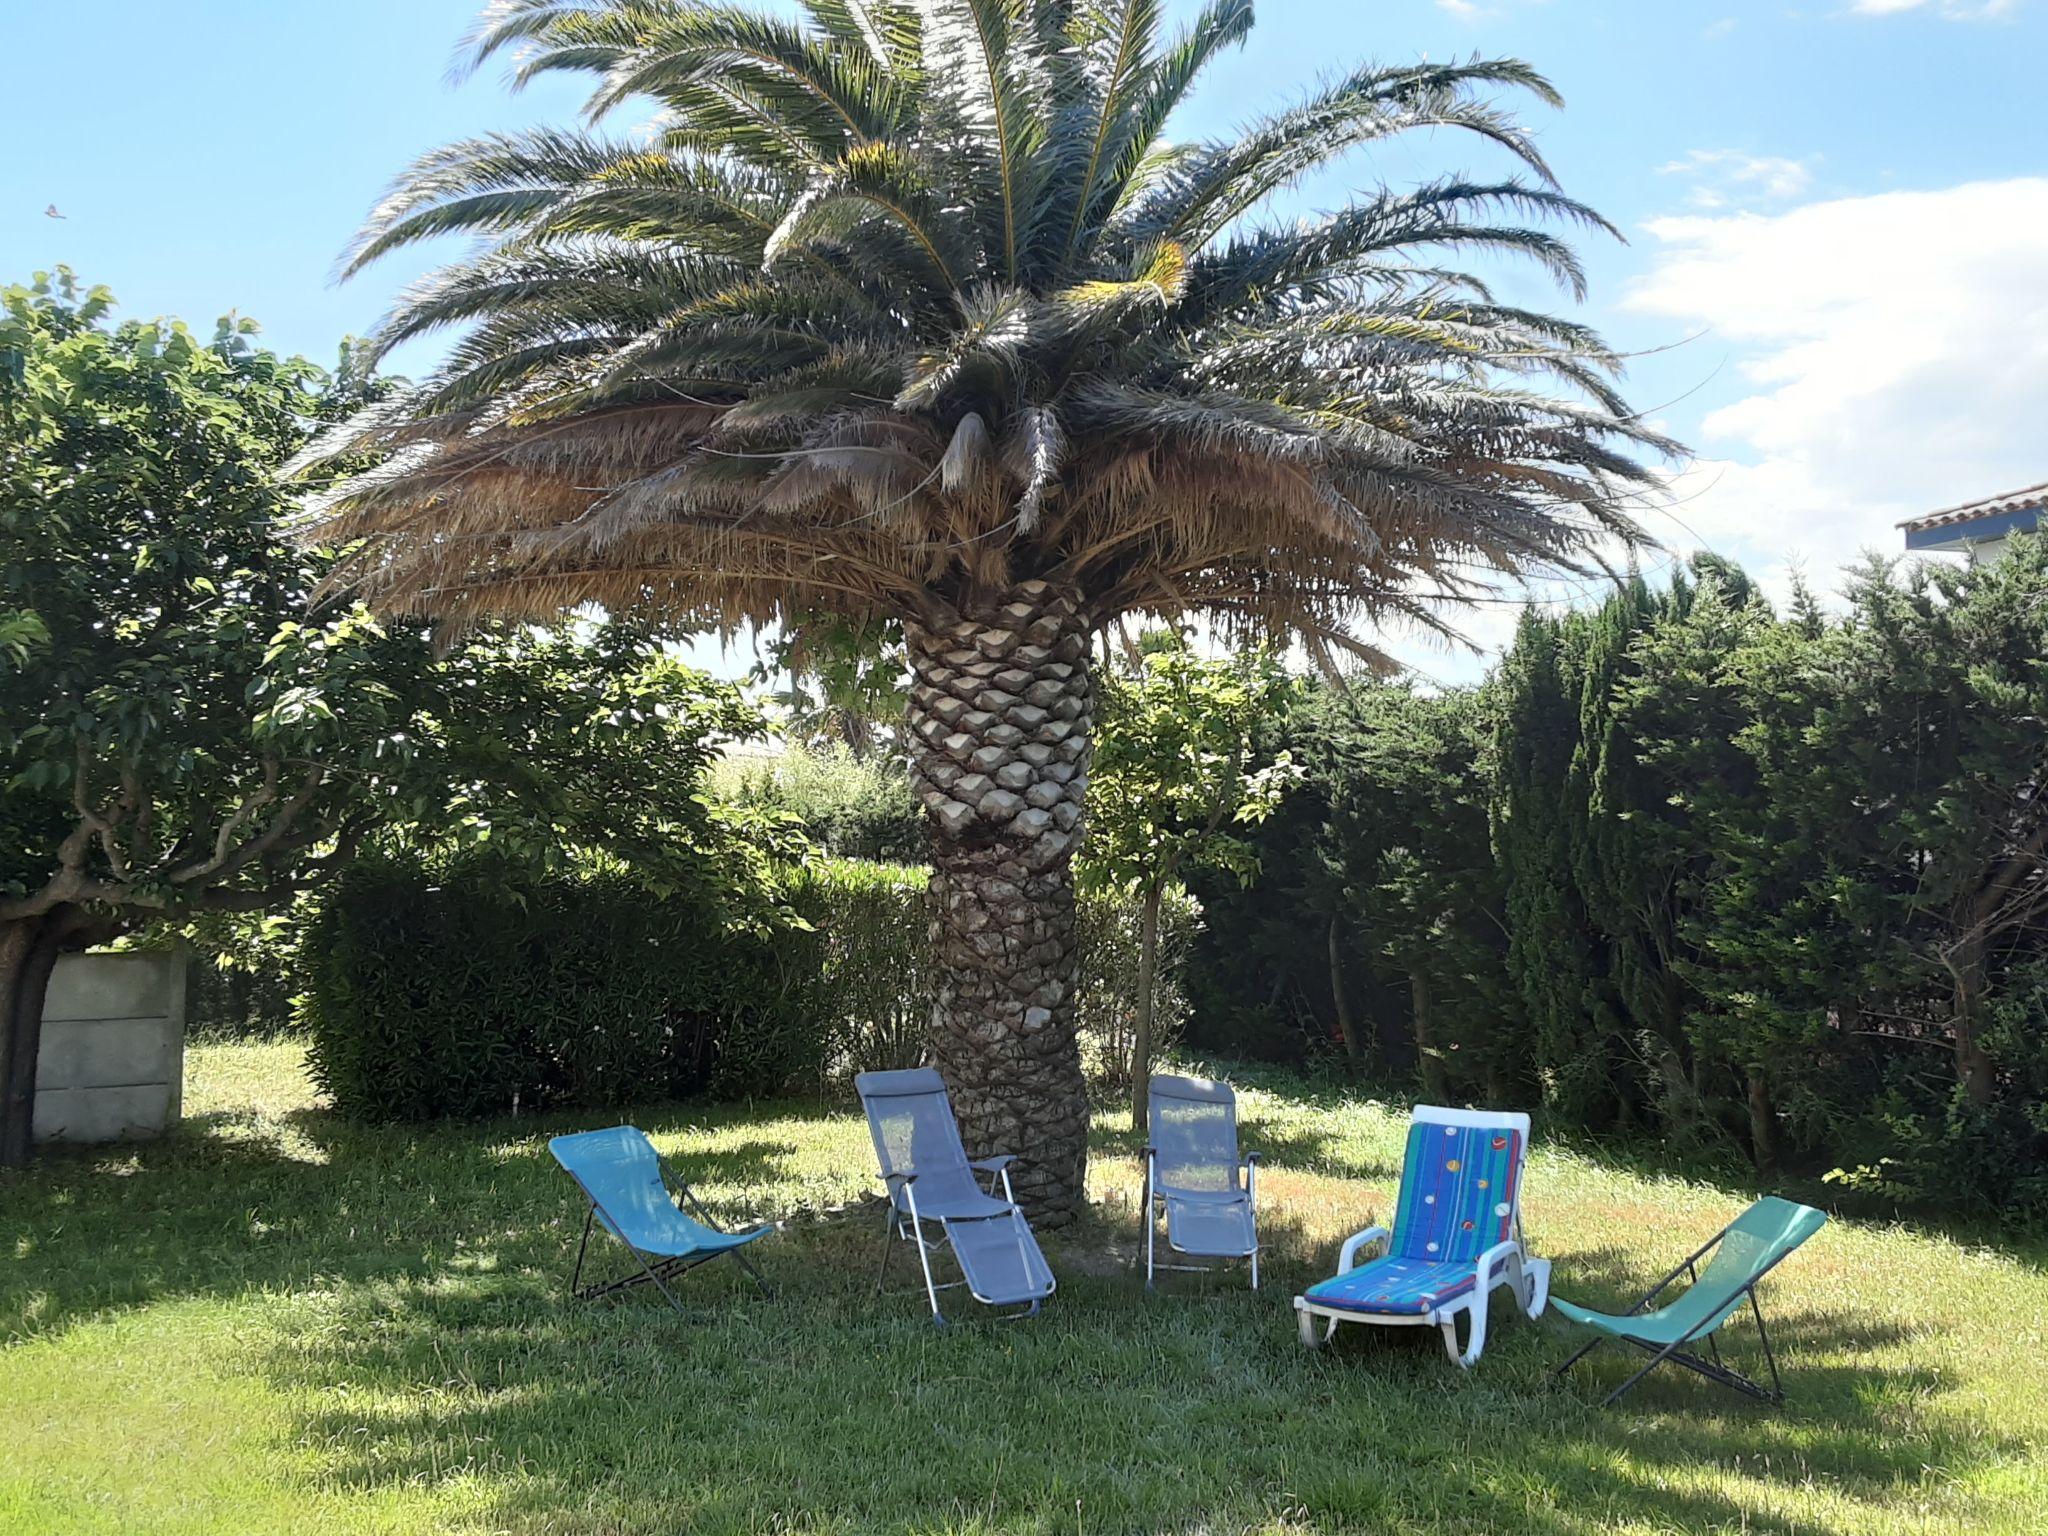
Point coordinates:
pixel 466 990
pixel 459 991
pixel 862 975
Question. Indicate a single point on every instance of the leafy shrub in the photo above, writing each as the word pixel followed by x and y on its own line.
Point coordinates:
pixel 463 990
pixel 849 807
pixel 863 973
pixel 1111 978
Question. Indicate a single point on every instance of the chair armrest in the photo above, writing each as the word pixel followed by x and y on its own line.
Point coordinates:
pixel 1253 1157
pixel 1347 1257
pixel 894 1179
pixel 1483 1269
pixel 994 1164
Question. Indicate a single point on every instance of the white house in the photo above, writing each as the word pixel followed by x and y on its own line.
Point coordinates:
pixel 1978 528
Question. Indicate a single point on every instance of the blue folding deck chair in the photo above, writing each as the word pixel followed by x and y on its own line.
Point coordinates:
pixel 621 1175
pixel 1193 1170
pixel 929 1179
pixel 1745 1250
pixel 1457 1235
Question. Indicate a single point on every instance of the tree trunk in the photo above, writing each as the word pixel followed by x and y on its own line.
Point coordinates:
pixel 1347 1027
pixel 28 953
pixel 1141 1038
pixel 1763 1123
pixel 1000 719
pixel 1973 1066
pixel 1427 1060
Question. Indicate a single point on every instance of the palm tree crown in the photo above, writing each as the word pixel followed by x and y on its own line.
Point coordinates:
pixel 907 302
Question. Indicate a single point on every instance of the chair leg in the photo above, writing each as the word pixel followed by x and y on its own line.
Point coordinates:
pixel 1535 1293
pixel 1475 1333
pixel 1315 1331
pixel 1151 1229
pixel 748 1265
pixel 662 1286
pixel 1655 1360
pixel 1255 1267
pixel 1770 1356
pixel 924 1260
pixel 582 1247
pixel 888 1243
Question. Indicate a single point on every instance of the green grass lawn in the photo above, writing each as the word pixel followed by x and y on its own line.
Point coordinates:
pixel 276 1322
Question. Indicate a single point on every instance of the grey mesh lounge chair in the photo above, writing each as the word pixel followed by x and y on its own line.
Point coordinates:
pixel 930 1181
pixel 1193 1169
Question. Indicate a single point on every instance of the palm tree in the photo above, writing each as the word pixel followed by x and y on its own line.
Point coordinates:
pixel 910 309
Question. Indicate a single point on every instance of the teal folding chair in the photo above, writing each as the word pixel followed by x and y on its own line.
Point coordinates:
pixel 1745 1250
pixel 627 1184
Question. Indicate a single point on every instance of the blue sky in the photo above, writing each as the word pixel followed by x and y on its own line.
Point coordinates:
pixel 1837 214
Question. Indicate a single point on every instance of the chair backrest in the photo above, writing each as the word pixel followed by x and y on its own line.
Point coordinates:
pixel 1194 1134
pixel 1752 1243
pixel 1461 1183
pixel 621 1173
pixel 1759 1238
pixel 911 1121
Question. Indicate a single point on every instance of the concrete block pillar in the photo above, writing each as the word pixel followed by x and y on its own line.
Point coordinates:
pixel 112 1063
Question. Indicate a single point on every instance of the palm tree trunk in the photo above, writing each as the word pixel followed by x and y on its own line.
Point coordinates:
pixel 1000 720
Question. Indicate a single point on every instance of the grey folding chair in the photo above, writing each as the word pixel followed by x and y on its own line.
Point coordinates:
pixel 1194 1171
pixel 930 1181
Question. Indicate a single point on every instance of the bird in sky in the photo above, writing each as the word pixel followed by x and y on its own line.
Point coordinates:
pixel 52 213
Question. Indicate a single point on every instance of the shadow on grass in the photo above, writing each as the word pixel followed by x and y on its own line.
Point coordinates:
pixel 1115 1411
pixel 212 1211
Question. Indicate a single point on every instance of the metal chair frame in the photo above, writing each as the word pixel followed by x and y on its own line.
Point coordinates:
pixel 901 1227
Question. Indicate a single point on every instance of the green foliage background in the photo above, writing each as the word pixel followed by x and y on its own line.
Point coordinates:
pixel 1755 886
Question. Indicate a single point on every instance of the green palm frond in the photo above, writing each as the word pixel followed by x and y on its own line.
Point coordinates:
pixel 880 182
pixel 835 96
pixel 1372 104
pixel 987 82
pixel 983 354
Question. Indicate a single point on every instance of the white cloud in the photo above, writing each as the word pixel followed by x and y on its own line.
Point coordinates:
pixel 1721 177
pixel 1894 353
pixel 1478 10
pixel 1952 10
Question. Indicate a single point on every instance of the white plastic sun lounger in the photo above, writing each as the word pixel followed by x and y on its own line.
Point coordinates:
pixel 1457 1235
